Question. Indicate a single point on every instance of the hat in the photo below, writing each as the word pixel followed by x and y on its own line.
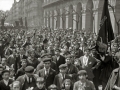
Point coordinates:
pixel 57 49
pixel 46 59
pixel 62 66
pixel 68 56
pixel 53 86
pixel 40 80
pixel 29 69
pixel 4 71
pixel 43 55
pixel 82 72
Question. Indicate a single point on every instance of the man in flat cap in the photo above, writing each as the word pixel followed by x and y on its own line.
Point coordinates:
pixel 59 59
pixel 40 84
pixel 114 79
pixel 83 83
pixel 47 72
pixel 72 69
pixel 59 78
pixel 28 80
pixel 5 82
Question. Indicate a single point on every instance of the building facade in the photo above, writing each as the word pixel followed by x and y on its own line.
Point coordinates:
pixel 29 10
pixel 78 14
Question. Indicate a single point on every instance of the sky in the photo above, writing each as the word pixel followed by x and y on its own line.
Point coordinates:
pixel 6 4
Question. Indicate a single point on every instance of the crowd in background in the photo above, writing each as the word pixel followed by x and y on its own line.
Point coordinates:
pixel 56 60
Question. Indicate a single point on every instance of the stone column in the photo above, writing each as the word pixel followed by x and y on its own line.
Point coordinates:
pixel 84 3
pixel 61 18
pixel 95 16
pixel 74 17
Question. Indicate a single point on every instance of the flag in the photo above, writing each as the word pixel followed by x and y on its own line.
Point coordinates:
pixel 105 34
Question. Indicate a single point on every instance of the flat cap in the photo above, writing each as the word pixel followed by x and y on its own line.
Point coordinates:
pixel 53 86
pixel 43 55
pixel 46 59
pixel 4 71
pixel 82 72
pixel 40 80
pixel 62 66
pixel 29 69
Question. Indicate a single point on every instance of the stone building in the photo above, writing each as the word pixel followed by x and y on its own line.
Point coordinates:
pixel 78 14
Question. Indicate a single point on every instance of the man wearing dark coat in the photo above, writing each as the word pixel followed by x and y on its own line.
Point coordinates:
pixel 114 80
pixel 59 78
pixel 59 60
pixel 47 72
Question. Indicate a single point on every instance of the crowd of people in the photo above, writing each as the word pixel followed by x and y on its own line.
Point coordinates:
pixel 57 60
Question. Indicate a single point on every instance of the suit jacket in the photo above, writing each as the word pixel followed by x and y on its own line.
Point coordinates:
pixel 78 53
pixel 89 85
pixel 21 79
pixel 58 81
pixel 73 70
pixel 112 80
pixel 3 85
pixel 92 62
pixel 49 78
pixel 20 72
pixel 59 62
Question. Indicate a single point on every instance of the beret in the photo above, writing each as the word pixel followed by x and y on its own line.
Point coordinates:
pixel 46 59
pixel 62 66
pixel 53 86
pixel 82 72
pixel 4 71
pixel 29 69
pixel 40 80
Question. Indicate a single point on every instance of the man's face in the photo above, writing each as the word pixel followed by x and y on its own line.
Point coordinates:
pixel 16 86
pixel 24 63
pixel 101 49
pixel 40 85
pixel 68 60
pixel 57 53
pixel 67 85
pixel 87 53
pixel 47 64
pixel 63 70
pixel 82 77
pixel 6 75
pixel 3 61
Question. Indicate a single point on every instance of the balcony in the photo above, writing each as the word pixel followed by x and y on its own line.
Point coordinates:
pixel 50 2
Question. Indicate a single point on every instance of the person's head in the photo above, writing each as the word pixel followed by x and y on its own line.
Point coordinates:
pixel 31 53
pixel 77 45
pixel 82 75
pixel 68 59
pixel 63 68
pixel 67 84
pixel 47 62
pixel 40 82
pixel 57 52
pixel 24 63
pixel 4 61
pixel 16 85
pixel 52 87
pixel 5 74
pixel 29 70
pixel 86 52
pixel 117 57
pixel 1 69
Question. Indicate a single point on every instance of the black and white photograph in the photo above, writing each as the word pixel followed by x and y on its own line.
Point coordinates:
pixel 59 44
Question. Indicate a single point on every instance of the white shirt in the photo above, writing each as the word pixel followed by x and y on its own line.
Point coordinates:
pixel 58 58
pixel 85 60
pixel 46 71
pixel 6 82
